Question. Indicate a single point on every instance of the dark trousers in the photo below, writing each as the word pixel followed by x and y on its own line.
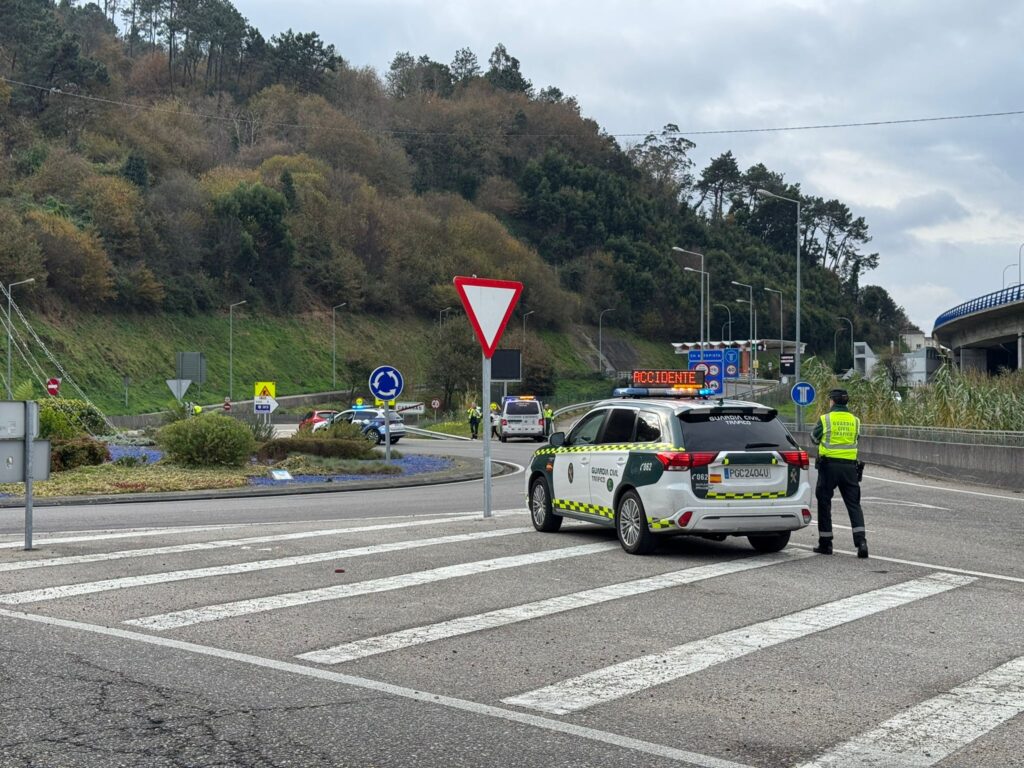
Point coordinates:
pixel 474 425
pixel 834 474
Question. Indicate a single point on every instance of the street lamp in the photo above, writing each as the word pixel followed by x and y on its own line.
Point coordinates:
pixel 729 310
pixel 600 340
pixel 796 356
pixel 750 360
pixel 853 351
pixel 1018 262
pixel 781 337
pixel 334 343
pixel 10 327
pixel 703 275
pixel 440 315
pixel 231 348
pixel 526 315
pixel 1004 272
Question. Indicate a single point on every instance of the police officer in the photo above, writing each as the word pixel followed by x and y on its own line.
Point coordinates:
pixel 549 417
pixel 836 436
pixel 473 415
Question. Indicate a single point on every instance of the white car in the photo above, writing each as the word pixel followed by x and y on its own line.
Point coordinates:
pixel 521 417
pixel 651 464
pixel 371 423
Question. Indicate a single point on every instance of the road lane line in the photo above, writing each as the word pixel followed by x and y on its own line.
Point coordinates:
pixel 40 542
pixel 465 625
pixel 422 697
pixel 929 566
pixel 164 621
pixel 944 490
pixel 97 557
pixel 931 731
pixel 618 680
pixel 126 582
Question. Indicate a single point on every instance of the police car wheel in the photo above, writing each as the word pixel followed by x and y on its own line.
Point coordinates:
pixel 771 542
pixel 543 518
pixel 631 525
pixel 503 439
pixel 373 436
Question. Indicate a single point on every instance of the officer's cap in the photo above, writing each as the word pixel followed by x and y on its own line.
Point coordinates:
pixel 839 396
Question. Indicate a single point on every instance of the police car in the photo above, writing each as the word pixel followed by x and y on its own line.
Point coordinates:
pixel 370 422
pixel 521 416
pixel 671 461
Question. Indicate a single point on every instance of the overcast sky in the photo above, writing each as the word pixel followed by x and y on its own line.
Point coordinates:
pixel 942 199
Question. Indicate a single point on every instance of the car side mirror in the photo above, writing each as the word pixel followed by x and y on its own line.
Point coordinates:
pixel 557 439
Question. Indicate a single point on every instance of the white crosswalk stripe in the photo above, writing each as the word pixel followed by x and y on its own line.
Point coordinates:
pixel 928 733
pixel 202 546
pixel 635 675
pixel 465 625
pixel 126 582
pixel 186 618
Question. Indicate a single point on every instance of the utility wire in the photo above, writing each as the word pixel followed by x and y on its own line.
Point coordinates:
pixel 511 134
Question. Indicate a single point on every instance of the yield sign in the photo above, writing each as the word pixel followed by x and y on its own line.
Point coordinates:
pixel 488 305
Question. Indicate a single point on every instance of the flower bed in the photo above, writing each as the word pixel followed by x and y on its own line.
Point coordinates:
pixel 410 465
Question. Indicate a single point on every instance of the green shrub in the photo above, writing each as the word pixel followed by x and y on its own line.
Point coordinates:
pixel 340 430
pixel 84 417
pixel 211 440
pixel 57 425
pixel 276 450
pixel 77 452
pixel 261 429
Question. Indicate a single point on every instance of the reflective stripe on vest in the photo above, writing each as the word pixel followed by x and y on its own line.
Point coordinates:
pixel 839 435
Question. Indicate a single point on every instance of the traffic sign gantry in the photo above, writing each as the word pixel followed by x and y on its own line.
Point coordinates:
pixel 488 304
pixel 386 383
pixel 803 393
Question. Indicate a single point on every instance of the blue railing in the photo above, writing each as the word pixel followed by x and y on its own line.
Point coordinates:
pixel 997 299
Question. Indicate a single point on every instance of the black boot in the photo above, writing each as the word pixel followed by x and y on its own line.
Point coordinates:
pixel 862 549
pixel 824 547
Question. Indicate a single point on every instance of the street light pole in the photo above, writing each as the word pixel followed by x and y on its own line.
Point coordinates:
pixel 10 331
pixel 796 356
pixel 334 344
pixel 853 351
pixel 1004 272
pixel 781 336
pixel 231 348
pixel 440 315
pixel 750 359
pixel 1018 262
pixel 600 339
pixel 729 310
pixel 703 274
pixel 526 315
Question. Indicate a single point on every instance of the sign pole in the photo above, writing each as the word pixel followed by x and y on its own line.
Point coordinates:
pixel 387 431
pixel 486 376
pixel 29 422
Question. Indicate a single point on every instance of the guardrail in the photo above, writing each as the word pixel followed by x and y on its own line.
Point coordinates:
pixel 941 434
pixel 1009 295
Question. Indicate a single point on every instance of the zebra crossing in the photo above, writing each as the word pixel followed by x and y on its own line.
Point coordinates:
pixel 483 591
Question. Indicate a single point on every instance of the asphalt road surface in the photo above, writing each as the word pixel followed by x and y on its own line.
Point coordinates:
pixel 399 628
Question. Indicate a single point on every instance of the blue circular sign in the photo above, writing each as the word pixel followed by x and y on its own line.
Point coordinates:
pixel 732 356
pixel 386 383
pixel 803 393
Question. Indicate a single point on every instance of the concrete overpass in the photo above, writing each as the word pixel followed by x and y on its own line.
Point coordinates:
pixel 986 333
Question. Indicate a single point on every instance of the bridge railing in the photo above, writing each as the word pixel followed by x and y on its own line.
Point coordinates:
pixel 1009 295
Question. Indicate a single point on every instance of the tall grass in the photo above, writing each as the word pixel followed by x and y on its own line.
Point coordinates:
pixel 954 398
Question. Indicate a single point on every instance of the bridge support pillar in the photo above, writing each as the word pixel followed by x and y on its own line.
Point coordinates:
pixel 1020 350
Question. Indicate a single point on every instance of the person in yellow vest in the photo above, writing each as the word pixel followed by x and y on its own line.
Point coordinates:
pixel 474 415
pixel 196 409
pixel 836 436
pixel 549 417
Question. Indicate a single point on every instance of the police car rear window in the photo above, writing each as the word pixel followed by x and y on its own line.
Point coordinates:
pixel 521 407
pixel 734 429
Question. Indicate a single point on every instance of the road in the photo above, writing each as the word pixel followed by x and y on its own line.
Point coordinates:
pixel 399 628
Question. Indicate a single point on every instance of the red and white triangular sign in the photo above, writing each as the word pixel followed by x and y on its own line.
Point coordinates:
pixel 488 305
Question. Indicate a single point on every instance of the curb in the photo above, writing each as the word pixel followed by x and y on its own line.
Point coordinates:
pixel 446 477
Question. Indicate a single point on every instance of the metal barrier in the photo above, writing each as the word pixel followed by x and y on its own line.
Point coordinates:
pixel 1009 295
pixel 941 434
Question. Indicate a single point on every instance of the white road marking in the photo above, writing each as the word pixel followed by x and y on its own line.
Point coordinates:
pixel 129 534
pixel 177 619
pixel 945 490
pixel 930 566
pixel 900 503
pixel 422 697
pixel 97 557
pixel 618 680
pixel 465 625
pixel 126 582
pixel 934 729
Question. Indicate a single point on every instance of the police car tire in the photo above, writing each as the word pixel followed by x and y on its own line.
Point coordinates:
pixel 637 538
pixel 373 436
pixel 541 515
pixel 769 542
pixel 394 440
pixel 503 439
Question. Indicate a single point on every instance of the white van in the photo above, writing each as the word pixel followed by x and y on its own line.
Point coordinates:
pixel 522 417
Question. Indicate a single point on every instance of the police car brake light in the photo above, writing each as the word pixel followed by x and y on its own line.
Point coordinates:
pixel 796 458
pixel 684 519
pixel 681 461
pixel 693 392
pixel 806 513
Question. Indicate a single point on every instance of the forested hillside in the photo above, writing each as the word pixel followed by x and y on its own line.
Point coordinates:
pixel 165 157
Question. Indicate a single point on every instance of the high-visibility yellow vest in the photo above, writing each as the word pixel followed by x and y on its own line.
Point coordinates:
pixel 839 435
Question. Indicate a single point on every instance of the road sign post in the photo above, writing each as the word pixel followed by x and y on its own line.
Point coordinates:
pixel 386 384
pixel 488 304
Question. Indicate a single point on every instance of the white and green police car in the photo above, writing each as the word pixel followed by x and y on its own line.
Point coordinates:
pixel 670 461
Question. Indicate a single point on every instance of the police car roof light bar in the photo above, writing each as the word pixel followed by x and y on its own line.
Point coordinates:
pixel 690 392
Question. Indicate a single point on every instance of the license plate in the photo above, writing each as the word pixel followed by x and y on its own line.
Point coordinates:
pixel 748 473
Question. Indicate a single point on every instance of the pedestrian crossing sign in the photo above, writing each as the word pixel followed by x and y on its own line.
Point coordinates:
pixel 265 389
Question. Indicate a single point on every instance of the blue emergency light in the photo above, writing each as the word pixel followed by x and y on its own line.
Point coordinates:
pixel 691 392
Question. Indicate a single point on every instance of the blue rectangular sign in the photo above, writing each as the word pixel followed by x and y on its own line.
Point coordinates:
pixel 712 366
